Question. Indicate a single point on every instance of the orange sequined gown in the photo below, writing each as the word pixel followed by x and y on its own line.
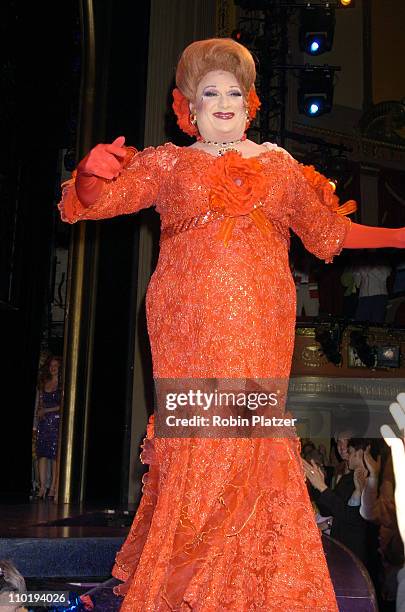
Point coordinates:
pixel 223 524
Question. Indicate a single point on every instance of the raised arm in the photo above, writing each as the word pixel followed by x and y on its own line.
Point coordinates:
pixel 111 180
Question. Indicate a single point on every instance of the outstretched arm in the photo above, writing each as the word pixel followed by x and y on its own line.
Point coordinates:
pixel 365 237
pixel 104 162
pixel 319 219
pixel 111 180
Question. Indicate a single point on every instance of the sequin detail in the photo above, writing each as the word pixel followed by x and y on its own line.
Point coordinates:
pixel 223 524
pixel 48 425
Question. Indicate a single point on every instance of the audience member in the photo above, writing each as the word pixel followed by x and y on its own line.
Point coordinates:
pixel 338 456
pixel 343 503
pixel 378 506
pixel 371 279
pixel 397 446
pixel 396 298
pixel 48 417
pixel 350 297
pixel 11 584
pixel 307 288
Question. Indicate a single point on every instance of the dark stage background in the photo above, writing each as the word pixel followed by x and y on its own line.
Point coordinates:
pixel 39 108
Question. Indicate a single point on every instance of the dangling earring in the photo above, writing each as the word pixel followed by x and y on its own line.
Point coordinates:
pixel 247 118
pixel 193 118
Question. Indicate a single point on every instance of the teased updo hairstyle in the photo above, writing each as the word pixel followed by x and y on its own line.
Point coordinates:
pixel 204 56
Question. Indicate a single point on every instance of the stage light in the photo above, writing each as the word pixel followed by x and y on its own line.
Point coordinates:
pixel 315 91
pixel 345 2
pixel 317 29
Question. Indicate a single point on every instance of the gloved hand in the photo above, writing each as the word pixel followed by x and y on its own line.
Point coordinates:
pixel 365 237
pixel 103 162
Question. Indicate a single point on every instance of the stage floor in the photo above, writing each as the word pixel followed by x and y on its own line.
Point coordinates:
pixel 32 520
pixel 76 545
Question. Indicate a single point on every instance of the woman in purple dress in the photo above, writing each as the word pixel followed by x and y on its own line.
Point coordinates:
pixel 48 424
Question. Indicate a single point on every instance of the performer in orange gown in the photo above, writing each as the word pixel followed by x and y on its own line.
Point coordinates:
pixel 226 523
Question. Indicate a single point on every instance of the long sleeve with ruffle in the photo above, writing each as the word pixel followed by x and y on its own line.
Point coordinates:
pixel 358 236
pixel 314 217
pixel 136 188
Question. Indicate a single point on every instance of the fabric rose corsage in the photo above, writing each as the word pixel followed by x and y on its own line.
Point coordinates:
pixel 325 190
pixel 236 186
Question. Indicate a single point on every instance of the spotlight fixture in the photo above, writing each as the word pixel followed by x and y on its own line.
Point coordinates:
pixel 346 3
pixel 317 29
pixel 315 91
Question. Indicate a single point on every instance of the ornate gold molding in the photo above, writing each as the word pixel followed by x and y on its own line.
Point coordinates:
pixel 307 332
pixel 381 389
pixel 312 357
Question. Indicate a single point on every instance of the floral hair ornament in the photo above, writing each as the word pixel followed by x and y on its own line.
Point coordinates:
pixel 253 103
pixel 182 110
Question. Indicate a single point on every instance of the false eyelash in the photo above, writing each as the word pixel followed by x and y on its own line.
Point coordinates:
pixel 211 94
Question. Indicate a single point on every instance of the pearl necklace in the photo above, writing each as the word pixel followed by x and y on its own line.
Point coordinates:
pixel 224 147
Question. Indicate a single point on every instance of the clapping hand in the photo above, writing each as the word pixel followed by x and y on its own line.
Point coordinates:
pixel 397 446
pixel 314 474
pixel 359 478
pixel 373 465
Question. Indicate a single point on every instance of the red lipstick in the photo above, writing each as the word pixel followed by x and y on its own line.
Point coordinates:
pixel 224 115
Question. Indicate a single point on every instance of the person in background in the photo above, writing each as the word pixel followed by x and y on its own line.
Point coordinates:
pixel 378 506
pixel 396 299
pixel 48 416
pixel 397 446
pixel 324 522
pixel 338 456
pixel 343 502
pixel 307 446
pixel 306 286
pixel 11 584
pixel 350 298
pixel 371 279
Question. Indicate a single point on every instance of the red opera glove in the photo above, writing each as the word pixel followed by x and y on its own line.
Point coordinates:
pixel 103 162
pixel 365 237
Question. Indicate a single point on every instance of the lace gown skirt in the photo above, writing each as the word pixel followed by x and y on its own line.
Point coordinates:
pixel 223 524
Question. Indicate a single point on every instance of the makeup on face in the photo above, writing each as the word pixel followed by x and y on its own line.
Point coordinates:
pixel 220 106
